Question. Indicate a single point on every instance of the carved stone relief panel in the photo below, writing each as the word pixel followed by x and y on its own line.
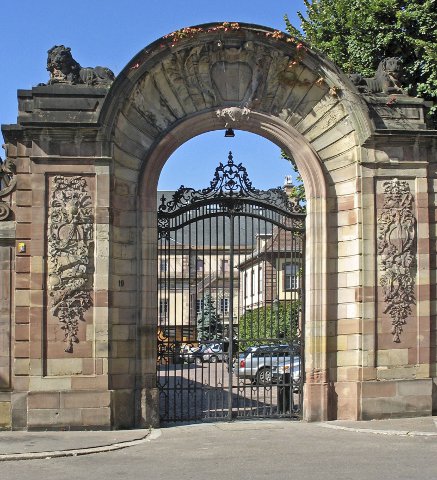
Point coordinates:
pixel 245 75
pixel 7 184
pixel 396 244
pixel 233 115
pixel 231 80
pixel 5 314
pixel 70 268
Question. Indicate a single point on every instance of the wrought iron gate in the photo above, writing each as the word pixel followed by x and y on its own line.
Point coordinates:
pixel 230 300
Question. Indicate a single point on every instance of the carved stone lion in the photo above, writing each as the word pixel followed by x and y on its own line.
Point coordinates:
pixel 63 68
pixel 386 79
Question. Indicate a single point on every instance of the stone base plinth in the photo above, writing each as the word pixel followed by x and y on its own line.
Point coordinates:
pixel 69 410
pixel 315 407
pixel 88 410
pixel 396 398
pixel 383 399
pixel 123 409
pixel 434 396
pixel 5 411
pixel 345 400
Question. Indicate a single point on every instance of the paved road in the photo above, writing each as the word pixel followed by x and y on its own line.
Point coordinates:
pixel 247 450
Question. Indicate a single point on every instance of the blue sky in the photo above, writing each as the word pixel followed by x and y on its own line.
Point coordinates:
pixel 110 33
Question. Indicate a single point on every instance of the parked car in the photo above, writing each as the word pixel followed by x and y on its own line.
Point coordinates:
pixel 206 352
pixel 287 372
pixel 256 363
pixel 287 375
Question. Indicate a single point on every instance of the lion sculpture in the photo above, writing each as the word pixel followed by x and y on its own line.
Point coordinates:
pixel 386 79
pixel 63 68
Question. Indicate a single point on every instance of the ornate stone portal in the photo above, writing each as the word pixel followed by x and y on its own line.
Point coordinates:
pixel 78 233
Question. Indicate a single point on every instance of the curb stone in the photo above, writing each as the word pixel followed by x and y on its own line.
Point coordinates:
pixel 404 433
pixel 150 435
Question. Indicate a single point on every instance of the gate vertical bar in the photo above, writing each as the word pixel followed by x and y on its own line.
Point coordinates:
pixel 231 312
pixel 301 320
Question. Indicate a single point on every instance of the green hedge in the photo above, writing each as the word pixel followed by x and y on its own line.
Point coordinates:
pixel 269 323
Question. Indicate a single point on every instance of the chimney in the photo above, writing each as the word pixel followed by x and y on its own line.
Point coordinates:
pixel 288 184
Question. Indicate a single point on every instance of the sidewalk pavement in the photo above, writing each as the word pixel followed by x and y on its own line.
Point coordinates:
pixel 33 445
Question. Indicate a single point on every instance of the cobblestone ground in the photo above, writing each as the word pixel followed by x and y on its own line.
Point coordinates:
pixel 196 392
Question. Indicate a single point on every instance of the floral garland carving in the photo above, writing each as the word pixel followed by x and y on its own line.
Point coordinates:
pixel 396 250
pixel 70 256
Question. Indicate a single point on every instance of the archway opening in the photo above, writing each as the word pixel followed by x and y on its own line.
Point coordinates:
pixel 194 162
pixel 230 282
pixel 271 128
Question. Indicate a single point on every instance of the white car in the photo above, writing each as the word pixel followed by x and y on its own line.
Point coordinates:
pixel 288 371
pixel 207 352
pixel 257 363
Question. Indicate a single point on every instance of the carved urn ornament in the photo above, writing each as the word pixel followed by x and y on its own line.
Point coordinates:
pixel 396 250
pixel 70 254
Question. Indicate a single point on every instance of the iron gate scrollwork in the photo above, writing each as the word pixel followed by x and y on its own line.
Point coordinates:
pixel 230 300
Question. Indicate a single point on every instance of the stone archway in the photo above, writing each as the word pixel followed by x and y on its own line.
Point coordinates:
pixel 105 148
pixel 274 130
pixel 244 77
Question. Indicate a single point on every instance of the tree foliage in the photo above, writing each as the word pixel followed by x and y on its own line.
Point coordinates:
pixel 209 323
pixel 269 322
pixel 358 34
